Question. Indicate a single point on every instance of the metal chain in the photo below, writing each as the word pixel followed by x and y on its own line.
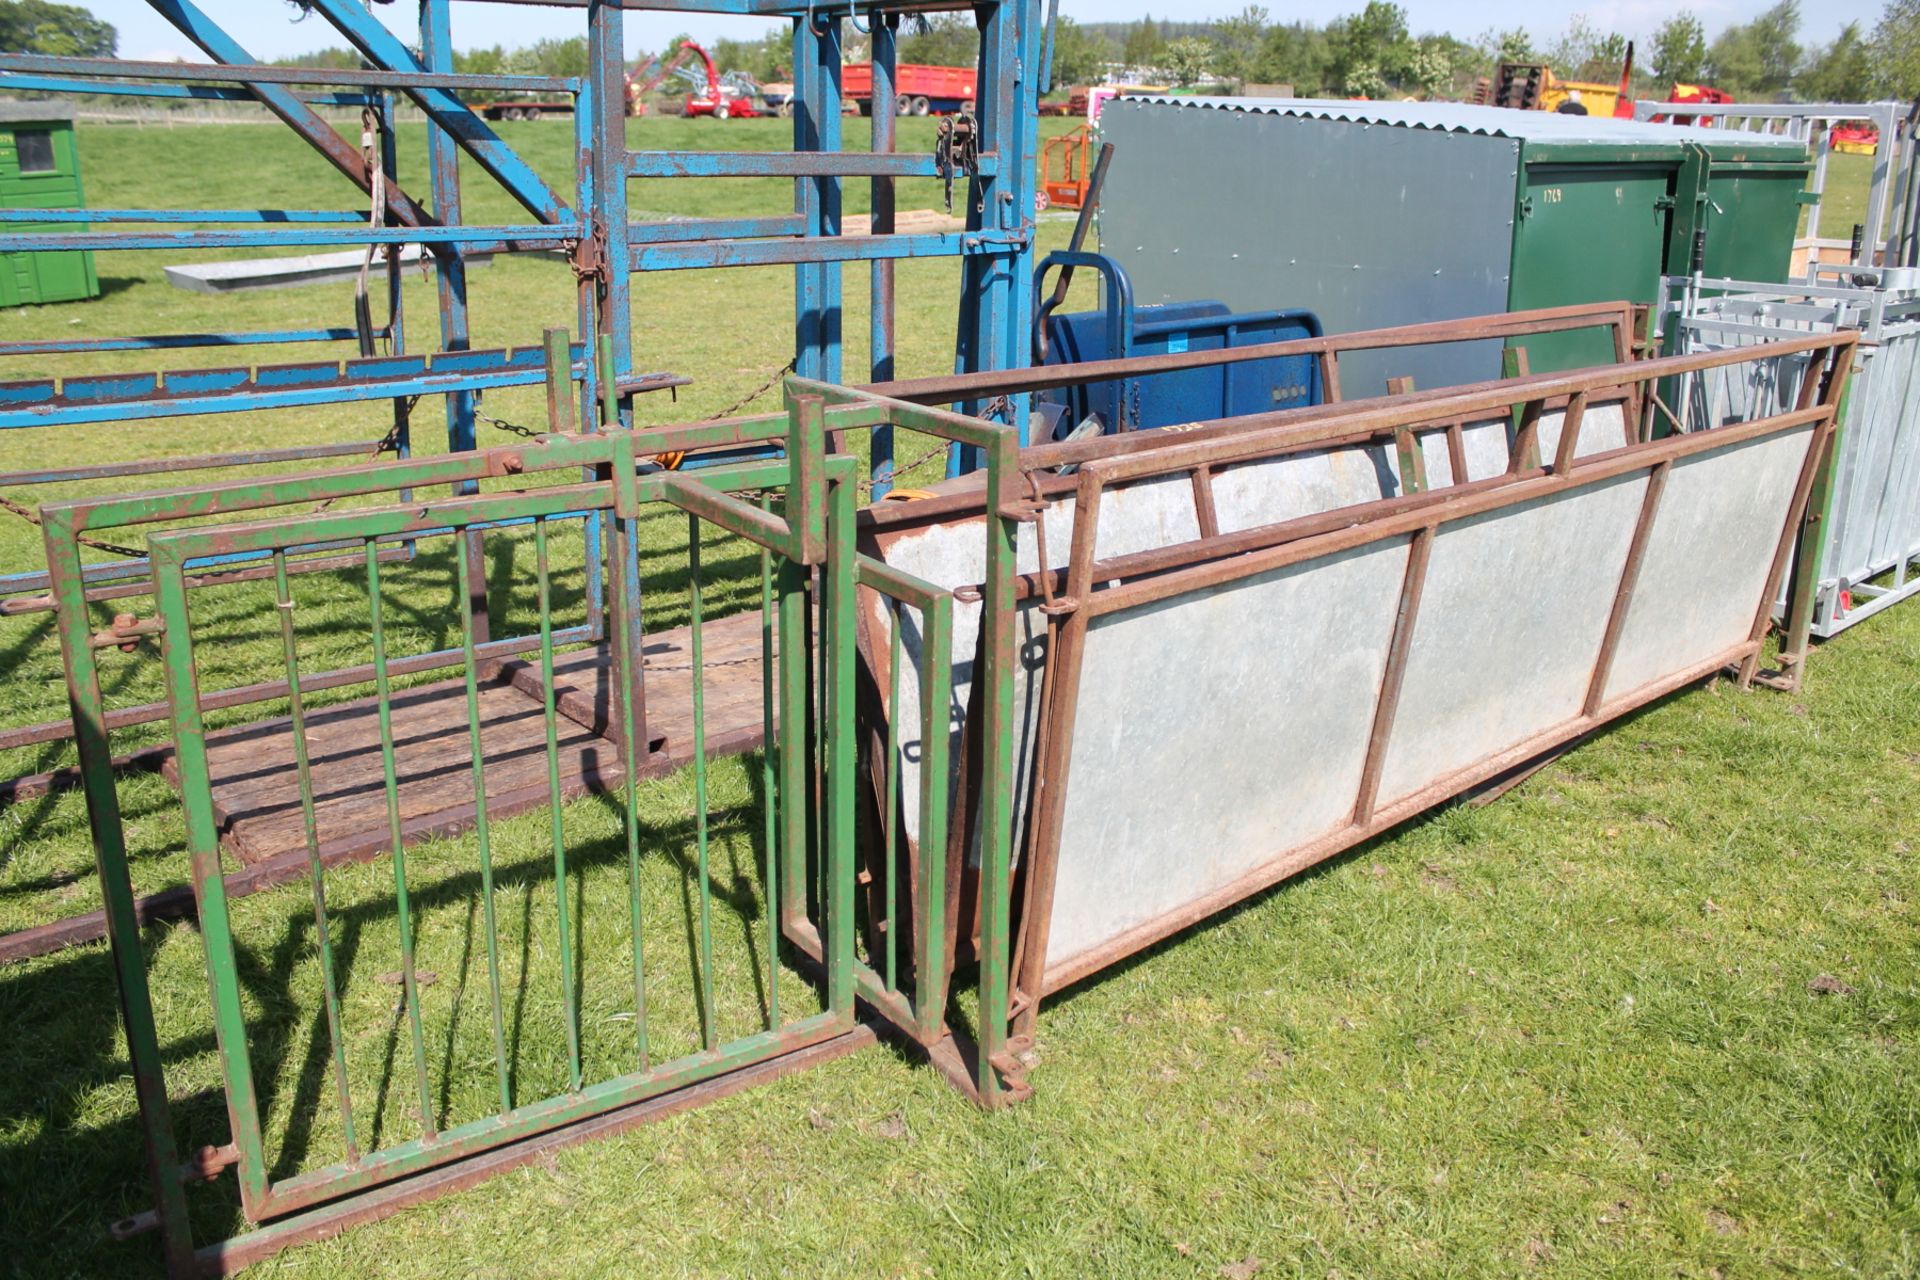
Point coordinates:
pixel 501 424
pixel 33 517
pixel 390 442
pixel 757 392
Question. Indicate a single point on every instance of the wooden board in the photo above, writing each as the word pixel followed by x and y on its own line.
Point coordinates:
pixel 256 793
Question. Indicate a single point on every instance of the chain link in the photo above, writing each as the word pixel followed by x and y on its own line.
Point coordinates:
pixel 756 393
pixel 33 517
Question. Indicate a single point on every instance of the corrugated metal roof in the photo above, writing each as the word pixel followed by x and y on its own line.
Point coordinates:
pixel 1495 122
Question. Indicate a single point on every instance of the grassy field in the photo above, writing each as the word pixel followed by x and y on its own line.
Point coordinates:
pixel 1655 1013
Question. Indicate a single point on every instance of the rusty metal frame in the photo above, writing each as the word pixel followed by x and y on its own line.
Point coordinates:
pixel 1092 588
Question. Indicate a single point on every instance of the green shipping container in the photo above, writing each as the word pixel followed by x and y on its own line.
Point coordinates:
pixel 40 169
pixel 1383 213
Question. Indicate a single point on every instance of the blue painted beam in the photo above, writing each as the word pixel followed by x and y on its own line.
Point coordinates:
pixel 177 341
pixel 820 249
pixel 785 224
pixel 125 397
pixel 183 215
pixel 244 70
pixel 786 164
pixel 18 83
pixel 384 49
pixel 293 237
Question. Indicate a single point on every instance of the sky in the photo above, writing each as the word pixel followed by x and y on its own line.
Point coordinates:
pixel 266 28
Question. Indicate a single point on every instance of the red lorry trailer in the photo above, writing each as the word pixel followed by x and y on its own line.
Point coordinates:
pixel 919 90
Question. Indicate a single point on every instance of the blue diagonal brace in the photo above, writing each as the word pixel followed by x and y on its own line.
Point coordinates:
pixel 285 103
pixel 384 50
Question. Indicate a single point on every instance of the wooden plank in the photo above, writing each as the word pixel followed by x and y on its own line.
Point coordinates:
pixel 256 791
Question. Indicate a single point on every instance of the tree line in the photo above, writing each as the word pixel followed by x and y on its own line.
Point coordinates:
pixel 1371 53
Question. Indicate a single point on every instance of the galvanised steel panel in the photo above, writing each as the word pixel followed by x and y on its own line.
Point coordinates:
pixel 1216 729
pixel 1544 574
pixel 1872 524
pixel 1705 568
pixel 1365 226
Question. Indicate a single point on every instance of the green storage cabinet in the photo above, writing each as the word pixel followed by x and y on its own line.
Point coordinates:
pixel 1600 221
pixel 40 169
pixel 1384 213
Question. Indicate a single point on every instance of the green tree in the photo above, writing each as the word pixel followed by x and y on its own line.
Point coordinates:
pixel 1758 59
pixel 1236 43
pixel 1189 60
pixel 1841 72
pixel 1429 68
pixel 1896 48
pixel 1079 56
pixel 1144 44
pixel 1376 39
pixel 1296 53
pixel 950 40
pixel 1513 45
pixel 60 30
pixel 763 59
pixel 1680 50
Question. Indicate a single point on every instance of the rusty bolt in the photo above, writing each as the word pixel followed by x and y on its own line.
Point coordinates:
pixel 512 464
pixel 126 622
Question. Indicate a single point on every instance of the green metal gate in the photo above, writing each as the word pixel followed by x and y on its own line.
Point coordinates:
pixel 400 1096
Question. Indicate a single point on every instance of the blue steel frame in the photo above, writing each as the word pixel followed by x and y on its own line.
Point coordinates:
pixel 606 248
pixel 995 306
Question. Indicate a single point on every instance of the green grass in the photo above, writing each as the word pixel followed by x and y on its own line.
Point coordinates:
pixel 1571 1034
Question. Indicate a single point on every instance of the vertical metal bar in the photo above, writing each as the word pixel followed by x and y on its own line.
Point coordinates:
pixel 316 870
pixel 450 263
pixel 1623 595
pixel 1569 444
pixel 609 384
pixel 1525 454
pixel 210 894
pixel 890 844
pixel 838 639
pixel 1205 514
pixel 403 910
pixel 1329 362
pixel 606 72
pixel 1457 452
pixel 557 821
pixel 476 747
pixel 771 797
pixel 796 797
pixel 816 122
pixel 1809 546
pixel 1805 521
pixel 1387 706
pixel 99 788
pixel 596 345
pixel 996 668
pixel 883 53
pixel 559 359
pixel 625 657
pixel 696 621
pixel 1412 460
pixel 936 692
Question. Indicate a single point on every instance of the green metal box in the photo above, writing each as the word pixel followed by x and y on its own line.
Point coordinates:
pixel 1382 213
pixel 40 169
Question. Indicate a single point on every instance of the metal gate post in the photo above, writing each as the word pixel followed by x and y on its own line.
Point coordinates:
pixel 116 890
